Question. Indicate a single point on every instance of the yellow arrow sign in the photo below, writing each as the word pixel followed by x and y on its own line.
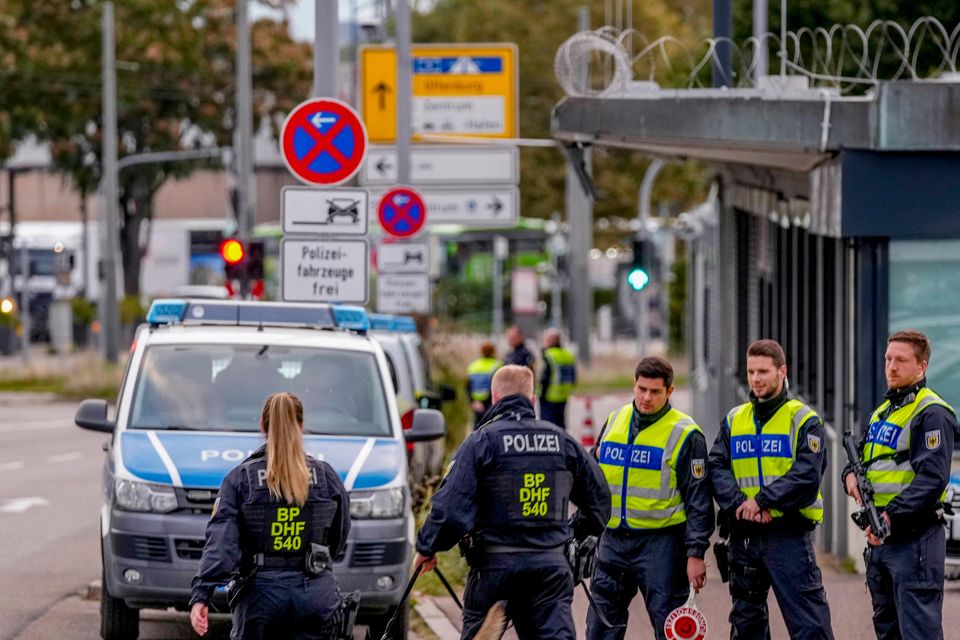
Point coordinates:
pixel 465 89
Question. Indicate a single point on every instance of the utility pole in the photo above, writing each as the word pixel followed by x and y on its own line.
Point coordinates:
pixel 643 216
pixel 326 49
pixel 761 61
pixel 579 212
pixel 109 312
pixel 404 91
pixel 723 31
pixel 501 249
pixel 244 139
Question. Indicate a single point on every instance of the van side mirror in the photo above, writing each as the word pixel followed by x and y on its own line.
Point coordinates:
pixel 428 424
pixel 447 393
pixel 92 415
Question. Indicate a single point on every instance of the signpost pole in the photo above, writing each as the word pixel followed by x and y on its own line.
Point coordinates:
pixel 500 251
pixel 244 138
pixel 110 315
pixel 404 91
pixel 326 49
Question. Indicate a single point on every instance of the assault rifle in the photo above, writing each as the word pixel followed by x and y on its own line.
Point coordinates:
pixel 867 516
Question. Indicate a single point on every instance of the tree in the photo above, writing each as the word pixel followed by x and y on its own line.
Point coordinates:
pixel 539 28
pixel 175 90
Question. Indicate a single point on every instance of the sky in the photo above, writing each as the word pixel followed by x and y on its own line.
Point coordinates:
pixel 302 14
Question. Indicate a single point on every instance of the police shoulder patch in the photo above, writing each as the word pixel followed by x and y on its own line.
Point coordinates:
pixel 697 468
pixel 813 442
pixel 933 439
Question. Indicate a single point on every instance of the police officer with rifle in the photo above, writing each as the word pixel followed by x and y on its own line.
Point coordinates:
pixel 906 453
pixel 507 490
pixel 279 520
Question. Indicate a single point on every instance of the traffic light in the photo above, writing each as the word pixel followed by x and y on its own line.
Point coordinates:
pixel 233 254
pixel 640 272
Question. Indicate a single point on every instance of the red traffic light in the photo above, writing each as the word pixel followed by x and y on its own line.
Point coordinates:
pixel 231 250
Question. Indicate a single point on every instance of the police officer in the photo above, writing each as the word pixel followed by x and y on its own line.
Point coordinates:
pixel 519 354
pixel 479 375
pixel 557 379
pixel 766 467
pixel 509 487
pixel 907 451
pixel 279 519
pixel 654 460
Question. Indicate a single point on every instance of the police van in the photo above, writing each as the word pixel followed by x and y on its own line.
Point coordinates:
pixel 188 411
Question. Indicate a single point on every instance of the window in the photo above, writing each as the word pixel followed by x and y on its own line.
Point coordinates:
pixel 224 387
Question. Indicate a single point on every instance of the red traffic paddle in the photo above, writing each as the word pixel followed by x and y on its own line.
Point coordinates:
pixel 686 622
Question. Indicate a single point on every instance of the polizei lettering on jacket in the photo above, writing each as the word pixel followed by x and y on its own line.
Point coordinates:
pixel 531 443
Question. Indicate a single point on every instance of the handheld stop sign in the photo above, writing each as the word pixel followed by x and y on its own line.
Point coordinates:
pixel 686 622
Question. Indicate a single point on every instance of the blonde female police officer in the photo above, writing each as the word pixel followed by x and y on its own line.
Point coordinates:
pixel 275 509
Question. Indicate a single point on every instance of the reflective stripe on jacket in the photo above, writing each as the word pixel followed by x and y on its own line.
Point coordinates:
pixel 642 474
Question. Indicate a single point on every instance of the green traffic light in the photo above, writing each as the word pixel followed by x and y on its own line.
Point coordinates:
pixel 638 278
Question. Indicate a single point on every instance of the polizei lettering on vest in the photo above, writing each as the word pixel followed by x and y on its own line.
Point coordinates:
pixel 531 443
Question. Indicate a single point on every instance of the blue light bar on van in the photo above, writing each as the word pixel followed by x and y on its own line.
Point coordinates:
pixel 167 312
pixel 404 324
pixel 397 324
pixel 352 318
pixel 247 313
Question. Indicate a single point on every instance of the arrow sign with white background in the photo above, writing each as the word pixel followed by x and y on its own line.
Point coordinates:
pixel 434 164
pixel 479 206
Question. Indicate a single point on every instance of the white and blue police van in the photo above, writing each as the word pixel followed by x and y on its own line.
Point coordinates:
pixel 188 411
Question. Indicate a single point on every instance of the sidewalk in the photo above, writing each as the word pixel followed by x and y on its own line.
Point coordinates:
pixel 849 605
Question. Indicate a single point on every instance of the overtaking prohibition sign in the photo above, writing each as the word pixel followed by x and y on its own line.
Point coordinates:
pixel 402 212
pixel 323 141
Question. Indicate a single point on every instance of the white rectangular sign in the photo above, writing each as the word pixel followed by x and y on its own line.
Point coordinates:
pixel 429 164
pixel 464 115
pixel 403 293
pixel 403 257
pixel 323 270
pixel 312 211
pixel 477 206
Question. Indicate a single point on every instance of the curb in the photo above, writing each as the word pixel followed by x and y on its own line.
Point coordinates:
pixel 436 620
pixel 92 592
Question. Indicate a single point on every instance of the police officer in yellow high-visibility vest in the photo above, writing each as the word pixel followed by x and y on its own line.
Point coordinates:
pixel 479 374
pixel 907 449
pixel 766 467
pixel 654 459
pixel 557 379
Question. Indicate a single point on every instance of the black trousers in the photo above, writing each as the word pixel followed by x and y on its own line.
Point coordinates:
pixel 286 604
pixel 786 562
pixel 906 586
pixel 539 598
pixel 653 564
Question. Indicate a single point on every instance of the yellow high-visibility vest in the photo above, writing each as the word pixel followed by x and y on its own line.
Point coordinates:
pixel 761 454
pixel 480 374
pixel 886 452
pixel 642 474
pixel 563 374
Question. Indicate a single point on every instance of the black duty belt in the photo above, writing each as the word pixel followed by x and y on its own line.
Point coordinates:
pixel 268 562
pixel 505 548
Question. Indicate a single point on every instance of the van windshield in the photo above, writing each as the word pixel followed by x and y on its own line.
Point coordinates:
pixel 224 387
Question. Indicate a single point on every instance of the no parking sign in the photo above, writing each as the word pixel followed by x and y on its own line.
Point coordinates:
pixel 323 141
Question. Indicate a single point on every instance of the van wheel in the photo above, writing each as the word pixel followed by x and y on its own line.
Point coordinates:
pixel 378 624
pixel 117 620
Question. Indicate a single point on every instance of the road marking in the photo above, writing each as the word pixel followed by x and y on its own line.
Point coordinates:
pixel 11 466
pixel 38 425
pixel 64 457
pixel 19 505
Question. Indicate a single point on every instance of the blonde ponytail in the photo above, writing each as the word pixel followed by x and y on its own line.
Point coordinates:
pixel 287 474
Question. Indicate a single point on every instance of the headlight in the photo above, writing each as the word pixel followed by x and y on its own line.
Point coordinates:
pixel 140 496
pixel 382 503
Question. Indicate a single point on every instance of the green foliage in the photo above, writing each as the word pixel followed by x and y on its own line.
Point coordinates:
pixel 539 28
pixel 175 89
pixel 468 302
pixel 131 311
pixel 84 311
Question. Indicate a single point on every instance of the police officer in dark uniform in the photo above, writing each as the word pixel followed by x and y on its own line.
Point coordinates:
pixel 519 354
pixel 766 467
pixel 654 459
pixel 508 488
pixel 907 450
pixel 279 520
